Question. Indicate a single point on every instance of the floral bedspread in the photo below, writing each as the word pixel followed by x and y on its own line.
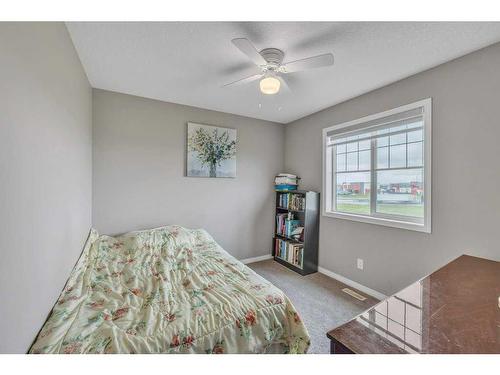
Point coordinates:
pixel 168 290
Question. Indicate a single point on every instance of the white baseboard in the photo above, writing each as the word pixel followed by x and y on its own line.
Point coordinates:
pixel 256 259
pixel 352 283
pixel 328 273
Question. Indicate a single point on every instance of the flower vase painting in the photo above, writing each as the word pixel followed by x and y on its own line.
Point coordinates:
pixel 211 151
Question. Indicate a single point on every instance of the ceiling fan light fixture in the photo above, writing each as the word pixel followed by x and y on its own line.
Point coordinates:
pixel 270 85
pixel 272 68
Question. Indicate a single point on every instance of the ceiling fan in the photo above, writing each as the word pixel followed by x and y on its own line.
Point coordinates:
pixel 270 62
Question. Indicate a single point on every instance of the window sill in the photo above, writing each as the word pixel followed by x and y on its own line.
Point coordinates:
pixel 380 221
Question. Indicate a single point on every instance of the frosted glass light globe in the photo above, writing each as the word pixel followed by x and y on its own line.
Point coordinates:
pixel 270 85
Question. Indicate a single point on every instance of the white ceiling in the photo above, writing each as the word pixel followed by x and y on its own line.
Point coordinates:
pixel 188 62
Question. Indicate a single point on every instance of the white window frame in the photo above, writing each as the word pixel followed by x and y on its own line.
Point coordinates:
pixel 395 221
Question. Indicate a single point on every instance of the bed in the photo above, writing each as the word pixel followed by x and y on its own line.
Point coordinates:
pixel 168 290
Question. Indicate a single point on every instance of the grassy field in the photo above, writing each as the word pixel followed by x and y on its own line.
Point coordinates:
pixel 356 196
pixel 362 209
pixel 400 209
pixel 383 208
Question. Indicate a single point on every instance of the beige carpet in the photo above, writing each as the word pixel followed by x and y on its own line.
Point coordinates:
pixel 318 298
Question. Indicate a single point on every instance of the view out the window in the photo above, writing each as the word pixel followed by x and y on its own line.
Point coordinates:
pixel 378 171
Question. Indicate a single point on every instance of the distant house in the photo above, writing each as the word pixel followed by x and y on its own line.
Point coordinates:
pixel 355 187
pixel 413 187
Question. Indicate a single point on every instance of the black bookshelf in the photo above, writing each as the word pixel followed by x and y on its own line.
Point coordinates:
pixel 309 219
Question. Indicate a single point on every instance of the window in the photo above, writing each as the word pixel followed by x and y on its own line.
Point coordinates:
pixel 377 169
pixel 399 318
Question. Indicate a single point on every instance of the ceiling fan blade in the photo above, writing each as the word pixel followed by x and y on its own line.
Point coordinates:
pixel 308 63
pixel 244 80
pixel 245 46
pixel 284 84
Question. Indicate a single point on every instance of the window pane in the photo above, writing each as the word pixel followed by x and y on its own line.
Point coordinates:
pixel 400 192
pixel 352 146
pixel 398 156
pixel 415 136
pixel 413 318
pixel 397 128
pixel 381 320
pixel 365 145
pixel 398 139
pixel 396 310
pixel 340 149
pixel 416 124
pixel 352 161
pixel 353 192
pixel 341 163
pixel 415 154
pixel 412 294
pixel 396 329
pixel 364 160
pixel 382 141
pixel 382 157
pixel 338 140
pixel 413 338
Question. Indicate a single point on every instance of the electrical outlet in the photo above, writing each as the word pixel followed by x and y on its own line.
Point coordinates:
pixel 360 264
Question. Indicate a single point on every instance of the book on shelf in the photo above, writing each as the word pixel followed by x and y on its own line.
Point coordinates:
pixel 293 253
pixel 286 224
pixel 292 201
pixel 298 233
pixel 290 226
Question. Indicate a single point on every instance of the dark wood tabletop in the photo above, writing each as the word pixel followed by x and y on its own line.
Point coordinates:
pixel 454 310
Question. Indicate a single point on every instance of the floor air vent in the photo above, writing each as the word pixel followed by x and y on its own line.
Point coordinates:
pixel 352 293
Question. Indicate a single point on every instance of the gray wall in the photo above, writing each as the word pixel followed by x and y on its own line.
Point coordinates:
pixel 465 175
pixel 45 173
pixel 139 173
